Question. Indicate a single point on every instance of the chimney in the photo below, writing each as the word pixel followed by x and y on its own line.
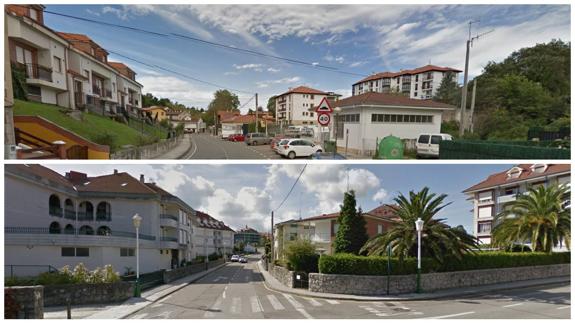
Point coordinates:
pixel 142 178
pixel 115 172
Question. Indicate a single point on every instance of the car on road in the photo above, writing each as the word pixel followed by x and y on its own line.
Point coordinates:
pixel 243 260
pixel 298 148
pixel 235 258
pixel 275 140
pixel 237 137
pixel 427 144
pixel 279 143
pixel 257 138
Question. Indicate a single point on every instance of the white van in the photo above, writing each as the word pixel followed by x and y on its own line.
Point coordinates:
pixel 428 143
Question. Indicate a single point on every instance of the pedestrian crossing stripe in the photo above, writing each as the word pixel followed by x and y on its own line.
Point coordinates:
pixel 313 302
pixel 292 301
pixel 256 305
pixel 331 301
pixel 275 303
pixel 236 305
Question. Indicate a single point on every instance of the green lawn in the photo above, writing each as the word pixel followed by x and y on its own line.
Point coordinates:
pixel 92 127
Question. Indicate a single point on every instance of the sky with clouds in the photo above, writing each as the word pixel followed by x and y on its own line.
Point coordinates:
pixel 360 39
pixel 245 194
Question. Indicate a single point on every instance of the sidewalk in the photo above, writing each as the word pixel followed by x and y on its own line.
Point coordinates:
pixel 132 305
pixel 275 285
pixel 178 152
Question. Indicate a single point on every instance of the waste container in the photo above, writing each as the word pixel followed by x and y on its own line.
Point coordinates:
pixel 328 146
pixel 390 147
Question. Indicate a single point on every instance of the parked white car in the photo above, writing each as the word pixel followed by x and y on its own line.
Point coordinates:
pixel 235 258
pixel 293 148
pixel 428 143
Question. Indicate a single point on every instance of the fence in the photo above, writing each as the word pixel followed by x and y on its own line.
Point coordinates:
pixel 463 149
pixel 544 135
pixel 27 270
pixel 148 151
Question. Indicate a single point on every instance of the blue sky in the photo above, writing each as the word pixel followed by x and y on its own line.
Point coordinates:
pixel 356 38
pixel 244 194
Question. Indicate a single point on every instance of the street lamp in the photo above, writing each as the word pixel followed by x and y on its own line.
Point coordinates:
pixel 337 110
pixel 419 228
pixel 137 220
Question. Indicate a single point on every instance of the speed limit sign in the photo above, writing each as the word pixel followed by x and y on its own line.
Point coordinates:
pixel 323 119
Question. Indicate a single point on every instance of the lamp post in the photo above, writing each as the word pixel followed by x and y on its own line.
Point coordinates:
pixel 337 110
pixel 419 228
pixel 137 220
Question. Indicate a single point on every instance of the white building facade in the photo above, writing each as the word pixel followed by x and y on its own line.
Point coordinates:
pixel 297 106
pixel 367 118
pixel 211 236
pixel 420 83
pixel 491 196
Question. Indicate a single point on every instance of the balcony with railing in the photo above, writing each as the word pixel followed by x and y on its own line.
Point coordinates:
pixel 36 71
pixel 70 214
pixel 507 198
pixel 485 201
pixel 107 93
pixel 85 216
pixel 79 99
pixel 321 237
pixel 169 220
pixel 56 211
pixel 96 90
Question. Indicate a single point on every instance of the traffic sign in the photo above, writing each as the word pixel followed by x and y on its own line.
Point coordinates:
pixel 323 118
pixel 324 107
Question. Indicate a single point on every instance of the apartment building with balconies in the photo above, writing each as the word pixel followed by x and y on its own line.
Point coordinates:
pixel 211 236
pixel 322 229
pixel 490 196
pixel 297 105
pixel 420 83
pixel 57 220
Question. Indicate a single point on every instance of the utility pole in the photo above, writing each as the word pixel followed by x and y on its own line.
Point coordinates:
pixel 257 112
pixel 465 77
pixel 472 105
pixel 273 241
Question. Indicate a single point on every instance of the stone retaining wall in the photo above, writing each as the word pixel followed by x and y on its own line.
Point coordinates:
pixel 283 275
pixel 24 302
pixel 402 284
pixel 174 274
pixel 80 294
pixel 149 151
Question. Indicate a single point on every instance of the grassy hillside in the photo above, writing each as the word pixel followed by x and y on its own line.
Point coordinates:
pixel 95 128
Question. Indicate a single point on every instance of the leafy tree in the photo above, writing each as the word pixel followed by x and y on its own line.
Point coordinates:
pixel 351 234
pixel 538 216
pixel 272 106
pixel 448 92
pixel 224 100
pixel 301 256
pixel 438 240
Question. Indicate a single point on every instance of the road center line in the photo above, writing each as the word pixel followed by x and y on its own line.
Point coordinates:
pixel 513 305
pixel 563 307
pixel 446 316
pixel 305 314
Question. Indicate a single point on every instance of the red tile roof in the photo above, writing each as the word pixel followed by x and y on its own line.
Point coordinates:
pixel 376 98
pixel 501 177
pixel 75 37
pixel 207 221
pixel 118 65
pixel 115 183
pixel 385 212
pixel 423 69
pixel 304 90
pixel 39 172
pixel 248 118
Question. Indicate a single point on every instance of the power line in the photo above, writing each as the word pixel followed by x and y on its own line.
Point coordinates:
pixel 211 43
pixel 250 100
pixel 291 189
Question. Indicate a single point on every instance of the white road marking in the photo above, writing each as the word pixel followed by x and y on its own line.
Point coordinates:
pixel 236 305
pixel 563 307
pixel 275 303
pixel 513 305
pixel 166 298
pixel 332 301
pixel 399 305
pixel 447 316
pixel 256 305
pixel 293 302
pixel 224 294
pixel 139 316
pixel 313 302
pixel 213 309
pixel 156 305
pixel 305 314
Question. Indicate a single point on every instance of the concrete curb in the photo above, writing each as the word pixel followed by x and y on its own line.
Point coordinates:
pixel 135 304
pixel 187 152
pixel 272 283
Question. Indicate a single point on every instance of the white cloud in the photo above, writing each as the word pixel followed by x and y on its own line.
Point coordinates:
pixel 273 70
pixel 357 64
pixel 123 15
pixel 331 58
pixel 254 67
pixel 380 195
pixel 176 89
pixel 286 80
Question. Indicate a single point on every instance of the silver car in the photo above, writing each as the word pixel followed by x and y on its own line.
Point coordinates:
pixel 257 138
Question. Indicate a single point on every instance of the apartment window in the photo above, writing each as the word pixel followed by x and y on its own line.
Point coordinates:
pixel 415 94
pixel 82 252
pixel 57 64
pixel 351 118
pixel 400 118
pixel 416 87
pixel 311 114
pixel 511 190
pixel 114 87
pixel 33 14
pixel 379 228
pixel 75 252
pixel 293 236
pixel 485 212
pixel 416 79
pixel 68 252
pixel 87 74
pixel 127 252
pixel 484 227
pixel 311 97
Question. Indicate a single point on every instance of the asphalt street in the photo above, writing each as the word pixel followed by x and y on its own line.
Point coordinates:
pixel 237 291
pixel 205 146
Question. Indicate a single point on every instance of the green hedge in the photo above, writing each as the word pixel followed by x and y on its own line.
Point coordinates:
pixel 469 149
pixel 346 264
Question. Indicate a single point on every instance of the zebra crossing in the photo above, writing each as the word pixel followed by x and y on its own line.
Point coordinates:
pixel 259 304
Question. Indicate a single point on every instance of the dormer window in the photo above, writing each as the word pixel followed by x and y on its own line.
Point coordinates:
pixel 539 168
pixel 33 13
pixel 92 51
pixel 514 172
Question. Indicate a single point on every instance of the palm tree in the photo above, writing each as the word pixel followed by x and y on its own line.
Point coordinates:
pixel 538 217
pixel 439 241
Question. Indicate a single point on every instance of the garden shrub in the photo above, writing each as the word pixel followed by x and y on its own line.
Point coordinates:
pixel 106 139
pixel 80 275
pixel 214 256
pixel 347 264
pixel 301 256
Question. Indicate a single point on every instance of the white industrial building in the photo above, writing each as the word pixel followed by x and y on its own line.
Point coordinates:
pixel 367 118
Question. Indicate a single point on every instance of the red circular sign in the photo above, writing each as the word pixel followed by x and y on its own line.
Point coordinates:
pixel 323 119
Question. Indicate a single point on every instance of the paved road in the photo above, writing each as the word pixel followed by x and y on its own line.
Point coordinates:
pixel 237 291
pixel 206 146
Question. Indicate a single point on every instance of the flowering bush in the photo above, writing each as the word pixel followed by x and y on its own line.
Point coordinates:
pixel 80 275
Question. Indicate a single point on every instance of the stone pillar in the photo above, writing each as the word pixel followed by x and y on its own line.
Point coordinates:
pixel 24 302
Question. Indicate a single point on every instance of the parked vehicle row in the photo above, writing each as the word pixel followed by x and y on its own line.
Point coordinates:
pixel 282 145
pixel 238 258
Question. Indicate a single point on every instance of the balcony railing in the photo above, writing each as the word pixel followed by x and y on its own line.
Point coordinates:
pixel 485 201
pixel 108 93
pixel 507 198
pixel 103 217
pixel 79 99
pixel 168 216
pixel 56 211
pixel 83 216
pixel 37 72
pixel 172 239
pixel 96 90
pixel 38 231
pixel 70 214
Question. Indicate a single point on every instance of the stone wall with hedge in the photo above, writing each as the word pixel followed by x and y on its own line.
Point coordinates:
pixel 401 284
pixel 283 275
pixel 80 294
pixel 177 273
pixel 24 302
